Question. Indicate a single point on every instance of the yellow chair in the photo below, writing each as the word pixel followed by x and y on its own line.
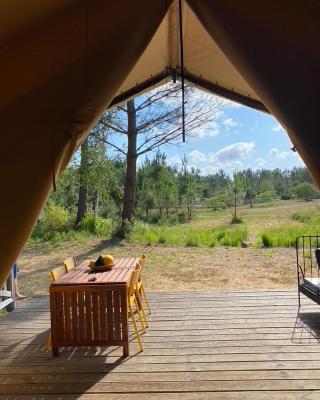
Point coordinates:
pixel 57 273
pixel 139 287
pixel 70 263
pixel 132 301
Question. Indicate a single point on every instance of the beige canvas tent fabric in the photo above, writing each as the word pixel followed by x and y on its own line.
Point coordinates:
pixel 62 62
pixel 275 47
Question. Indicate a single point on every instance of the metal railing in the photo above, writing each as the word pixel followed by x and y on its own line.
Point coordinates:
pixel 308 271
pixel 6 300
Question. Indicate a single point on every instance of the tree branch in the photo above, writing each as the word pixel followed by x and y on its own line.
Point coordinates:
pixel 109 143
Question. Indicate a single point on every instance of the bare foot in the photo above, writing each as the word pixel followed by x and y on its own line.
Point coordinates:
pixel 19 296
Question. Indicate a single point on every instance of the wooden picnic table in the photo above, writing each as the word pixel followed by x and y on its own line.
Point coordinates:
pixel 90 308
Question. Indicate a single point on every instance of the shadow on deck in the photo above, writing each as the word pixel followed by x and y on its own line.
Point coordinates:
pixel 236 345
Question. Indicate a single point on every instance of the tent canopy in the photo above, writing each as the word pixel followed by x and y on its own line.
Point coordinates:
pixel 205 65
pixel 63 62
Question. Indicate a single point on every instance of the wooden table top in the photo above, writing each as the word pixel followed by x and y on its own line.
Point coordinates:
pixel 120 273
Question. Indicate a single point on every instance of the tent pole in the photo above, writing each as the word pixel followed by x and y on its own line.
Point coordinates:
pixel 182 71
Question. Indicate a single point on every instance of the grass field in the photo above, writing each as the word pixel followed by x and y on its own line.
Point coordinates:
pixel 185 259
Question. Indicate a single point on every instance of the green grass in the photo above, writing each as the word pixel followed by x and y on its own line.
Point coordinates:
pixel 187 235
pixel 283 237
pixel 308 223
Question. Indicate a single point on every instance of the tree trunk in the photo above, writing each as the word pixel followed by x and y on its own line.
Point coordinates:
pixel 83 188
pixel 131 173
pixel 96 203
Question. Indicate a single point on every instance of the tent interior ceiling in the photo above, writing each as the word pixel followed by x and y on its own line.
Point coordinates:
pixel 205 64
pixel 17 15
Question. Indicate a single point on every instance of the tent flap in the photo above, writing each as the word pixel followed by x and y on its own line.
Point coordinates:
pixel 58 74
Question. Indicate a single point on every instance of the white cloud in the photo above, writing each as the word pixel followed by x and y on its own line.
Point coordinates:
pixel 230 123
pixel 209 170
pixel 233 164
pixel 196 156
pixel 260 162
pixel 278 128
pixel 279 154
pixel 174 162
pixel 231 153
pixel 201 132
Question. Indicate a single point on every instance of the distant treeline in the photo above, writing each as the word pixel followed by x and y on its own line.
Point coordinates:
pixel 164 188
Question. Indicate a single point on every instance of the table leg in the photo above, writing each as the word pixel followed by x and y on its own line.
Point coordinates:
pixel 126 350
pixel 55 351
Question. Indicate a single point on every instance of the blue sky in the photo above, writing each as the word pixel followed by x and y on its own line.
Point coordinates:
pixel 240 138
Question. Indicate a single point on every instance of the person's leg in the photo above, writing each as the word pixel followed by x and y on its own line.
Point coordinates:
pixel 15 293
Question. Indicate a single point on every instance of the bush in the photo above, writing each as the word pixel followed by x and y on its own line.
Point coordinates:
pixel 236 220
pixel 266 239
pixel 162 239
pixel 96 225
pixel 286 195
pixel 266 197
pixel 305 191
pixel 282 237
pixel 183 216
pixel 234 237
pixel 303 216
pixel 192 241
pixel 220 200
pixel 54 221
pixel 124 230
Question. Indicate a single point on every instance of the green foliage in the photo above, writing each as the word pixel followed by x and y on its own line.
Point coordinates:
pixel 187 236
pixel 285 236
pixel 124 230
pixel 234 237
pixel 192 240
pixel 305 191
pixel 282 237
pixel 220 200
pixel 53 221
pixel 266 197
pixel 96 225
pixel 236 220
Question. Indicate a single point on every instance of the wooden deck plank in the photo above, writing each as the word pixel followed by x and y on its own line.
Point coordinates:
pixel 236 345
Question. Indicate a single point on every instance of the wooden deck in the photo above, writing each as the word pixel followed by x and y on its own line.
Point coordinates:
pixel 239 345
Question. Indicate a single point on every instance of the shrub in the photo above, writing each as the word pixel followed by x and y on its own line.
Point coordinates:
pixel 303 216
pixel 218 235
pixel 282 237
pixel 124 230
pixel 305 191
pixel 96 225
pixel 182 216
pixel 53 222
pixel 192 241
pixel 234 237
pixel 266 239
pixel 220 200
pixel 266 197
pixel 162 239
pixel 236 220
pixel 286 195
